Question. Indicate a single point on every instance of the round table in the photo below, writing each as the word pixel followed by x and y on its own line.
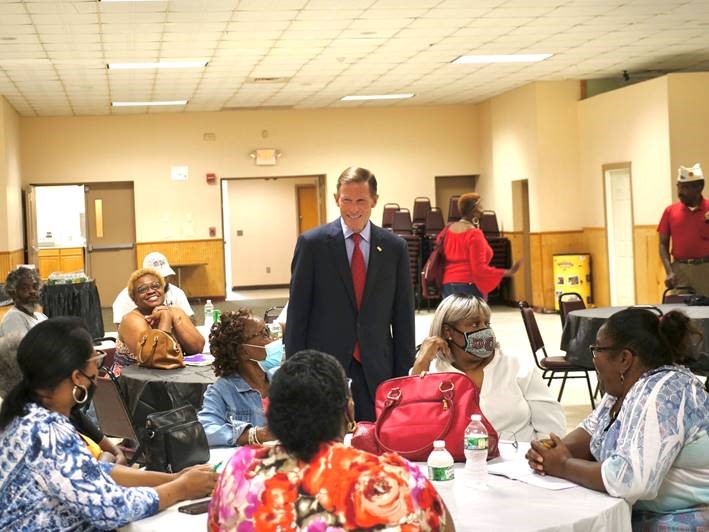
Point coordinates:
pixel 149 390
pixel 582 325
pixel 74 299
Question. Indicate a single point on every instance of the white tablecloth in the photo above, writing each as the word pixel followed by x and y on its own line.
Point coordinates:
pixel 505 505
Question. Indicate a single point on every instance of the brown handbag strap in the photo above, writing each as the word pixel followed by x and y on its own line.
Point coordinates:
pixel 142 359
pixel 390 404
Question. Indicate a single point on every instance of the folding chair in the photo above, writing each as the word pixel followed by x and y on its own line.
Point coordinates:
pixel 551 366
pixel 388 215
pixel 488 224
pixel 401 223
pixel 453 210
pixel 677 294
pixel 568 305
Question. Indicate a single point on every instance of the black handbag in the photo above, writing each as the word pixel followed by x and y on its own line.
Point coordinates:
pixel 174 440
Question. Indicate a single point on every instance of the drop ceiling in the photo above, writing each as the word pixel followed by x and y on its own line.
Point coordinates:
pixel 53 53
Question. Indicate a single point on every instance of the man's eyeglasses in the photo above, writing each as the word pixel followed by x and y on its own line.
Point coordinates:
pixel 145 287
pixel 595 349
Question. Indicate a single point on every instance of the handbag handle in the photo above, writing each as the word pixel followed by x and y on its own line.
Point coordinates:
pixel 392 401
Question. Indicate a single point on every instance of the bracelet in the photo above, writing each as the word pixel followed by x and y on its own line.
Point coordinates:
pixel 253 437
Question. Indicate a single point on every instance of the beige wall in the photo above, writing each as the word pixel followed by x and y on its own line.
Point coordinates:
pixel 626 125
pixel 405 147
pixel 266 213
pixel 10 179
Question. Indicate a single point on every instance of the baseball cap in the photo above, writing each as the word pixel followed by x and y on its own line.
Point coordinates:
pixel 693 173
pixel 158 261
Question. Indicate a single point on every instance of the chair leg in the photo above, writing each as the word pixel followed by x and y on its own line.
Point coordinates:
pixel 563 383
pixel 546 376
pixel 590 391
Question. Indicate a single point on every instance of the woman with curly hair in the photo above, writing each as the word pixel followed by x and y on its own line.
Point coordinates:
pixel 245 356
pixel 311 481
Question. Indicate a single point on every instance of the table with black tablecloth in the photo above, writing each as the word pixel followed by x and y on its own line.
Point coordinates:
pixel 582 325
pixel 75 299
pixel 149 390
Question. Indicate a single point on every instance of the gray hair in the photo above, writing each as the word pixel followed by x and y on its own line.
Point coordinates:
pixel 18 275
pixel 455 308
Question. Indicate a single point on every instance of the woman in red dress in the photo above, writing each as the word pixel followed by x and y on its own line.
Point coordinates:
pixel 468 254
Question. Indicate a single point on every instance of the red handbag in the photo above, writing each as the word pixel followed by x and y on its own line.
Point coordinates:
pixel 414 411
pixel 432 271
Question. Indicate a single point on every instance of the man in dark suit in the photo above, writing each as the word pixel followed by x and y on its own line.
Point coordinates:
pixel 351 293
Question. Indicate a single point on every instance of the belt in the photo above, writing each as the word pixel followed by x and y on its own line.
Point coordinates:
pixel 700 260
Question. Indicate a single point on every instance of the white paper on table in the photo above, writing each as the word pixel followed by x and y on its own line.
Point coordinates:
pixel 520 470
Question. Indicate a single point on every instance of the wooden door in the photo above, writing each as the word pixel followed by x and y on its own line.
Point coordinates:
pixel 110 236
pixel 307 207
pixel 31 226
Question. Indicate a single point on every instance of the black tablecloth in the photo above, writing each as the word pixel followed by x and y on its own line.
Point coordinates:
pixel 582 325
pixel 76 299
pixel 156 390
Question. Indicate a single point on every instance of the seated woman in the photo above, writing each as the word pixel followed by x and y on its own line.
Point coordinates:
pixel 245 356
pixel 146 288
pixel 648 439
pixel 311 480
pixel 513 396
pixel 48 478
pixel 23 286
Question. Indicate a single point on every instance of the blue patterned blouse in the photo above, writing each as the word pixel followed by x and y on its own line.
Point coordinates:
pixel 656 452
pixel 50 481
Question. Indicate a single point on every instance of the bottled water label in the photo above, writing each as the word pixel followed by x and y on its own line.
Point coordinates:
pixel 440 473
pixel 476 442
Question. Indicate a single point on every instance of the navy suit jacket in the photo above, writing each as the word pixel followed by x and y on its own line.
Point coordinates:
pixel 322 312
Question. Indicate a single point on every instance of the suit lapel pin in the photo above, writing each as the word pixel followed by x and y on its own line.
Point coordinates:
pixel 379 248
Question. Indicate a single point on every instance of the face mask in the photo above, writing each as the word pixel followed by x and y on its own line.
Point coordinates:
pixel 274 354
pixel 90 391
pixel 480 343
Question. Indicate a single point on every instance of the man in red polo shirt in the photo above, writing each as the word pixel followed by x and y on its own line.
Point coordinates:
pixel 687 223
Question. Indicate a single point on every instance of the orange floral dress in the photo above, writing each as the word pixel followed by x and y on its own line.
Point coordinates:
pixel 342 488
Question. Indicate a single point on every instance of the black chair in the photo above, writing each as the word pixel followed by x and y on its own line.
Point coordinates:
pixel 434 222
pixel 401 224
pixel 677 294
pixel 453 210
pixel 388 215
pixel 488 224
pixel 568 305
pixel 421 207
pixel 552 367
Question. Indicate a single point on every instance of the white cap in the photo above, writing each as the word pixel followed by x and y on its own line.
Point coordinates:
pixel 476 417
pixel 686 175
pixel 439 444
pixel 158 261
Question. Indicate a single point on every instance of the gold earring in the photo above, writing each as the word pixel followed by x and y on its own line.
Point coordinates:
pixel 351 426
pixel 74 393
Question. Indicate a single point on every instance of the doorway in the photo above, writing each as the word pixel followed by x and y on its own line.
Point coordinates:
pixel 452 185
pixel 520 221
pixel 618 196
pixel 262 218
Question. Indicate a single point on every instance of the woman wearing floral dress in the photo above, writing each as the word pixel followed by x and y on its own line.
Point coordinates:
pixel 648 440
pixel 311 481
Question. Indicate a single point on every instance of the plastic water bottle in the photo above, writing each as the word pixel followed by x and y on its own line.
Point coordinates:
pixel 208 314
pixel 440 465
pixel 475 445
pixel 275 329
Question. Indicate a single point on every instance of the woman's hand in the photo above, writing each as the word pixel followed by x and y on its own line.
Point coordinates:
pixel 160 315
pixel 430 347
pixel 548 457
pixel 514 268
pixel 198 481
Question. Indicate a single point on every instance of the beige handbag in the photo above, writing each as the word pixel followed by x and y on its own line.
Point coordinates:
pixel 160 350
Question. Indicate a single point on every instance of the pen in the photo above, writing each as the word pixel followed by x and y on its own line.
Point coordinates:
pixel 216 466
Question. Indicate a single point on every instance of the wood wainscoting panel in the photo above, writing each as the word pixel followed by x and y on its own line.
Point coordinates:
pixel 9 261
pixel 201 264
pixel 537 274
pixel 649 272
pixel 595 244
pixel 554 243
pixel 517 289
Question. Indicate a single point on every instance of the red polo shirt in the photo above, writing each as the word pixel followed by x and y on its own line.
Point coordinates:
pixel 689 233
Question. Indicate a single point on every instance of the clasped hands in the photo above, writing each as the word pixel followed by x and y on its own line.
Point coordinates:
pixel 548 456
pixel 158 312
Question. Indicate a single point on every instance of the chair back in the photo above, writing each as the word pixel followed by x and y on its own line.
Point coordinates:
pixel 434 222
pixel 568 305
pixel 402 222
pixel 111 411
pixel 453 210
pixel 421 207
pixel 535 337
pixel 388 216
pixel 676 294
pixel 271 314
pixel 488 224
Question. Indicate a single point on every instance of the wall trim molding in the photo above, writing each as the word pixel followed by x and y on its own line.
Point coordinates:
pixel 156 242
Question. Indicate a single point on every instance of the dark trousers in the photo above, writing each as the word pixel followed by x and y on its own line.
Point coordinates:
pixel 461 288
pixel 363 400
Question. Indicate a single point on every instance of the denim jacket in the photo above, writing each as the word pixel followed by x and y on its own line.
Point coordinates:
pixel 230 407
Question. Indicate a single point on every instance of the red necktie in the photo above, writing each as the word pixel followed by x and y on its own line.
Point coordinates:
pixel 359 276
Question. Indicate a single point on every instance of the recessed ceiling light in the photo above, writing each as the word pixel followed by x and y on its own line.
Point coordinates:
pixel 501 58
pixel 160 64
pixel 145 104
pixel 357 98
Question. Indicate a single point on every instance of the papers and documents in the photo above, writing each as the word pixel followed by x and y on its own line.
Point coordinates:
pixel 520 470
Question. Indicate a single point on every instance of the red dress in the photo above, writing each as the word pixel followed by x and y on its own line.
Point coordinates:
pixel 468 258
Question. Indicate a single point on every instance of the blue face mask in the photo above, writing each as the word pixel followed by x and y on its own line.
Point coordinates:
pixel 274 354
pixel 480 344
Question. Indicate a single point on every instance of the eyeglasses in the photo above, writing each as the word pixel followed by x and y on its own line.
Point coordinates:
pixel 509 438
pixel 145 287
pixel 595 349
pixel 98 358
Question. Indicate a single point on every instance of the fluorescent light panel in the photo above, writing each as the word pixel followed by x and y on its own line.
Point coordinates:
pixel 144 104
pixel 363 97
pixel 501 58
pixel 159 64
